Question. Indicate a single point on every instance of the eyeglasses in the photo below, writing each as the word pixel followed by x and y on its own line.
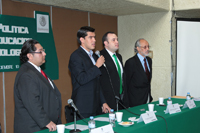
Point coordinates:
pixel 40 52
pixel 145 47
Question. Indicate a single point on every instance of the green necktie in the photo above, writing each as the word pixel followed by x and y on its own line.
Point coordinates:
pixel 119 72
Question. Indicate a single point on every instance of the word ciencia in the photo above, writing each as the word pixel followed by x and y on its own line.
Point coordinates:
pixel 11 52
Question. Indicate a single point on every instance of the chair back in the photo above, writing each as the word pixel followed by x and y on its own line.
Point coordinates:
pixel 69 115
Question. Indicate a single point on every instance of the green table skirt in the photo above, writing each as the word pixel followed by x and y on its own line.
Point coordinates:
pixel 186 121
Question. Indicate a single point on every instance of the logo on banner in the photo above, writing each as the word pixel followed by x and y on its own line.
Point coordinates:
pixel 42 23
pixel 14 31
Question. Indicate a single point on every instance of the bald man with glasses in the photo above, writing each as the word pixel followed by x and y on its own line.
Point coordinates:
pixel 138 71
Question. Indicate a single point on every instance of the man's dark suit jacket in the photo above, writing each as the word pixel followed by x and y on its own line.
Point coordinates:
pixel 86 92
pixel 36 102
pixel 139 87
pixel 112 74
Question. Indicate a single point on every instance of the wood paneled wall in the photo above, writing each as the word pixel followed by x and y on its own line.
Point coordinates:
pixel 65 24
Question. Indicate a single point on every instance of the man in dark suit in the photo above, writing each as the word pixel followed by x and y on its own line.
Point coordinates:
pixel 84 68
pixel 138 71
pixel 112 78
pixel 37 99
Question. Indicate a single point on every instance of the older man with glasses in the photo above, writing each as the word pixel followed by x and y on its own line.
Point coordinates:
pixel 138 71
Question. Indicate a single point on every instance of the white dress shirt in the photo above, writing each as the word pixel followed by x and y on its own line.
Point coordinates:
pixel 111 55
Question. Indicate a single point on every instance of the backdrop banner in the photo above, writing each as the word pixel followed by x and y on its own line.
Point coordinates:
pixel 14 31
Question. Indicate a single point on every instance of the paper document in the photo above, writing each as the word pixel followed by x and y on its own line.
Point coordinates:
pixel 196 98
pixel 78 126
pixel 102 119
pixel 133 119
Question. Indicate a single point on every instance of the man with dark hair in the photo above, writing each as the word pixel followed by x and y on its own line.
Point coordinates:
pixel 138 75
pixel 37 99
pixel 85 73
pixel 112 78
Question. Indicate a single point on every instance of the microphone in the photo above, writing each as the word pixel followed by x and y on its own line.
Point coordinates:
pixel 98 54
pixel 117 101
pixel 117 98
pixel 70 101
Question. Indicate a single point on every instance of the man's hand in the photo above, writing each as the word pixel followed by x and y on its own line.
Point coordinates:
pixel 105 108
pixel 51 126
pixel 100 61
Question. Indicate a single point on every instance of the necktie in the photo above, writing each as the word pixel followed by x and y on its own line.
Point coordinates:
pixel 92 59
pixel 42 72
pixel 146 69
pixel 119 72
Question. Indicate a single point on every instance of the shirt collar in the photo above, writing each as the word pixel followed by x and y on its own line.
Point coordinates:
pixel 110 53
pixel 38 68
pixel 89 53
pixel 141 58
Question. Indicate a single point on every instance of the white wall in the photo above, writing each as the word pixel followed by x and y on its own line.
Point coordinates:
pixel 155 28
pixel 186 4
pixel 187 78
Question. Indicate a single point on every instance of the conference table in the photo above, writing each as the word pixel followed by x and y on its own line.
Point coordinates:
pixel 186 121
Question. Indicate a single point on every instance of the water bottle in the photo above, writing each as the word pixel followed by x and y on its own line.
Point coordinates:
pixel 91 123
pixel 188 97
pixel 112 117
pixel 169 101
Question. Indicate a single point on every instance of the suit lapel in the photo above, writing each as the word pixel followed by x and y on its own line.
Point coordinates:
pixel 113 69
pixel 120 59
pixel 150 66
pixel 95 57
pixel 85 56
pixel 41 77
pixel 108 60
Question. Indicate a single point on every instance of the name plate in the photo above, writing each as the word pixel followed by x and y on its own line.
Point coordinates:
pixel 190 104
pixel 173 108
pixel 147 117
pixel 104 129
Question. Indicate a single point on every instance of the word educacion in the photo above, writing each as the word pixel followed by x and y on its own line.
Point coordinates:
pixel 13 40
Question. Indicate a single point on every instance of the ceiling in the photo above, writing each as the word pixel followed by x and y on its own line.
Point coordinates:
pixel 109 7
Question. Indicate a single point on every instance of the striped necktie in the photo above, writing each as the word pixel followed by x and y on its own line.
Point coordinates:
pixel 119 72
pixel 146 69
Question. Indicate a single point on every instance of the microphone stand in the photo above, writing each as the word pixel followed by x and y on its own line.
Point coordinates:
pixel 117 105
pixel 117 101
pixel 116 97
pixel 75 130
